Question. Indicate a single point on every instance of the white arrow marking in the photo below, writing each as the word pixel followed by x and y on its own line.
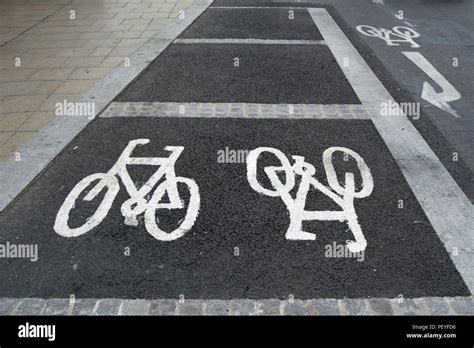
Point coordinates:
pixel 448 93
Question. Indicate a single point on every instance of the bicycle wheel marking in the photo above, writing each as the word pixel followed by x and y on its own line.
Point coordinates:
pixel 342 195
pixel 391 37
pixel 137 203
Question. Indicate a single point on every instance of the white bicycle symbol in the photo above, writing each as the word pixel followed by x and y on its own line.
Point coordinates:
pixel 403 34
pixel 136 204
pixel 341 195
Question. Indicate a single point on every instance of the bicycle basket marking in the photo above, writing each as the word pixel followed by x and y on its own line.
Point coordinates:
pixel 391 37
pixel 341 195
pixel 137 203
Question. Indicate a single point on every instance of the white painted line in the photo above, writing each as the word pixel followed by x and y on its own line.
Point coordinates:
pixel 236 110
pixel 445 204
pixel 250 41
pixel 48 143
pixel 257 8
pixel 448 92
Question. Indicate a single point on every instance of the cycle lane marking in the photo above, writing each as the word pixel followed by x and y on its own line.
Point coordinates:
pixel 445 204
pixel 202 263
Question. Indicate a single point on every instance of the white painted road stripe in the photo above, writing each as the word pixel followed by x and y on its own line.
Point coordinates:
pixel 257 8
pixel 243 110
pixel 445 204
pixel 250 41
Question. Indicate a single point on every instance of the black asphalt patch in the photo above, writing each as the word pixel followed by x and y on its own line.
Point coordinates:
pixel 275 24
pixel 288 74
pixel 403 256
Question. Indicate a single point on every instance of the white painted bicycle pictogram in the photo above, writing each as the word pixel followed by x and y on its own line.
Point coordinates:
pixel 137 203
pixel 342 195
pixel 391 37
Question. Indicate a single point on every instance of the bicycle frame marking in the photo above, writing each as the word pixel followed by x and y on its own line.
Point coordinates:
pixel 341 195
pixel 397 34
pixel 137 203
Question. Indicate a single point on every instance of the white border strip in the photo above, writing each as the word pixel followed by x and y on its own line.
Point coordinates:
pixel 237 110
pixel 250 41
pixel 445 204
pixel 258 7
pixel 323 306
pixel 38 152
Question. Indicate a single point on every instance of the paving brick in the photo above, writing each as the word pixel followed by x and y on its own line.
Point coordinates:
pixel 269 306
pixel 51 74
pixel 462 305
pixel 82 61
pixel 218 307
pixel 163 307
pixel 18 87
pixel 408 307
pixel 101 51
pixel 22 103
pixel 190 307
pixel 57 306
pixel 244 307
pixel 380 306
pixel 15 74
pixel 36 121
pixel 112 61
pixel 4 136
pixel 135 307
pixel 323 307
pixel 74 86
pixel 84 307
pixel 8 305
pixel 108 307
pixel 12 121
pixel 295 307
pixel 88 73
pixel 30 306
pixel 47 87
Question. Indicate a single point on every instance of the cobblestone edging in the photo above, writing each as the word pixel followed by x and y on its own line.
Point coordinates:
pixel 239 110
pixel 373 306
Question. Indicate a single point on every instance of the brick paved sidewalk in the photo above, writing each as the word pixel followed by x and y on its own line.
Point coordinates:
pixel 49 54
